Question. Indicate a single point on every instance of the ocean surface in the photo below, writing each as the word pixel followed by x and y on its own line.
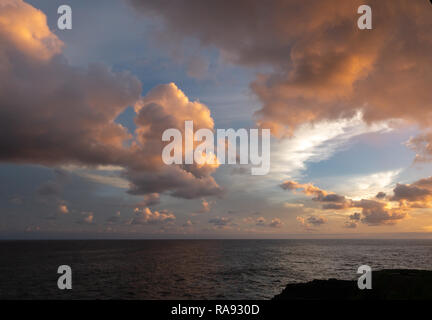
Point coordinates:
pixel 192 269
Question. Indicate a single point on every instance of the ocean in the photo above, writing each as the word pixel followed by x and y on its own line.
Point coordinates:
pixel 192 269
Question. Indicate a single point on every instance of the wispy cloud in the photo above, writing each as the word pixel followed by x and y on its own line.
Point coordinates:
pixel 317 142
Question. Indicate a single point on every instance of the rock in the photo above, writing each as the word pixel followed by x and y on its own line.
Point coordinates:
pixel 391 284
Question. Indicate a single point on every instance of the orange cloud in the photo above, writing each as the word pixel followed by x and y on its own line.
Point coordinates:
pixel 24 27
pixel 378 211
pixel 331 200
pixel 311 222
pixel 62 208
pixel 166 106
pixel 415 195
pixel 321 65
pixel 146 216
pixel 52 113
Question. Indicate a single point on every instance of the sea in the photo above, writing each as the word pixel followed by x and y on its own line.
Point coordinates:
pixel 192 269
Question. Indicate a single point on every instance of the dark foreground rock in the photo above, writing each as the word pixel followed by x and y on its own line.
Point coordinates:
pixel 391 284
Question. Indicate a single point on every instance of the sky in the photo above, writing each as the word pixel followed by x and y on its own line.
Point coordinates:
pixel 82 113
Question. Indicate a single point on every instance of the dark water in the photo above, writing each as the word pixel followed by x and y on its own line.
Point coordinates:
pixel 192 269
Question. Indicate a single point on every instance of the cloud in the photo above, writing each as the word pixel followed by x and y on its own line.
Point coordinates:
pixel 100 176
pixel 373 213
pixel 311 221
pixel 321 65
pixel 422 145
pixel 63 209
pixel 376 213
pixel 86 218
pixel 410 193
pixel 276 223
pixel 53 113
pixel 205 206
pixel 318 141
pixel 174 180
pixel 415 195
pixel 149 200
pixel 25 28
pixel 188 224
pixel 146 216
pixel 369 185
pixel 221 222
pixel 350 224
pixel 163 107
pixel 49 193
pixel 261 221
pixel 293 205
pixel 380 195
pixel 114 219
pixel 316 221
pixel 355 216
pixel 56 114
pixel 308 189
pixel 330 200
pixel 166 106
